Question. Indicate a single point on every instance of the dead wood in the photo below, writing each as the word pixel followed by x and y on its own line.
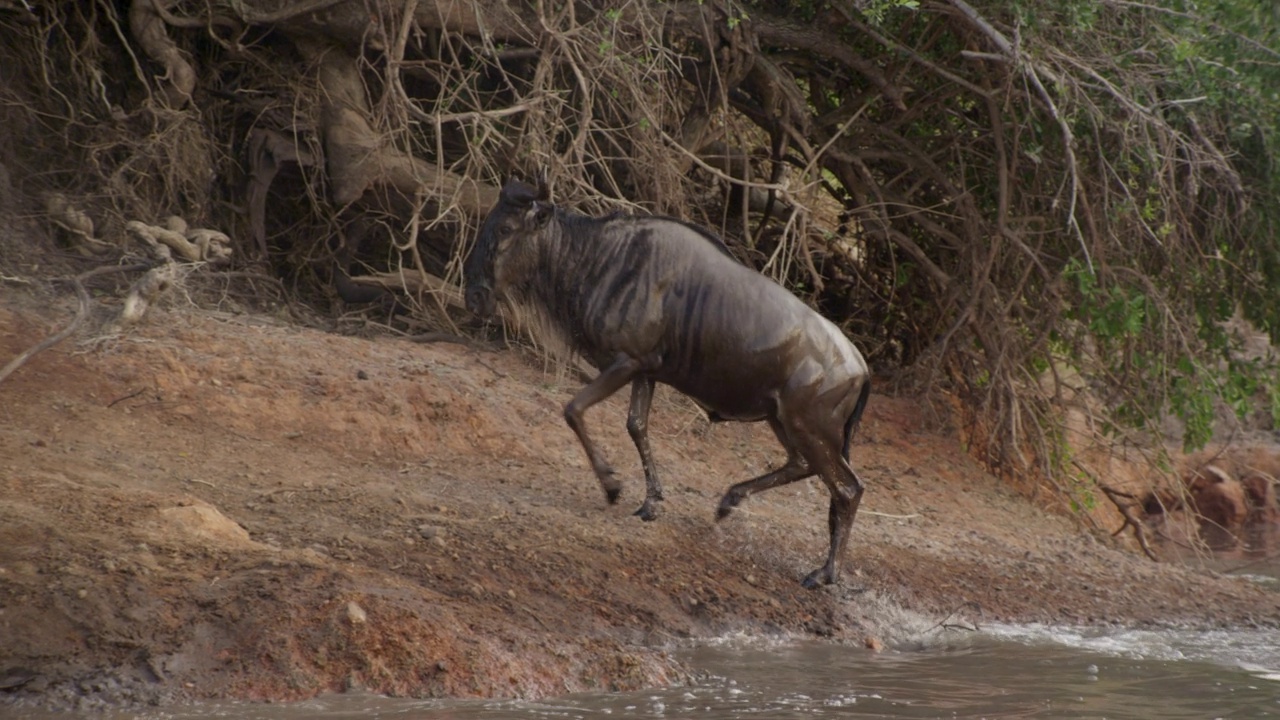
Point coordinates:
pixel 415 284
pixel 82 312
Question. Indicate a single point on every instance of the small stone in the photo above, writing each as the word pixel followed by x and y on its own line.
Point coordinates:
pixel 511 594
pixel 356 614
pixel 751 579
pixel 430 532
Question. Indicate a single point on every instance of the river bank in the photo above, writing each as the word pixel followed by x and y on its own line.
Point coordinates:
pixel 233 506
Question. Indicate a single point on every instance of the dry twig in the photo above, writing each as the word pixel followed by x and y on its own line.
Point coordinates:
pixel 82 312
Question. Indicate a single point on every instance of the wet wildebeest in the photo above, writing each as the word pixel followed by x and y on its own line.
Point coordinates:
pixel 651 299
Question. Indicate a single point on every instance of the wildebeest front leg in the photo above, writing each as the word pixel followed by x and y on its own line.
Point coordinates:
pixel 606 384
pixel 794 469
pixel 638 427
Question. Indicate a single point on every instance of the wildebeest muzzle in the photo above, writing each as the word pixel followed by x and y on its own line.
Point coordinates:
pixel 480 300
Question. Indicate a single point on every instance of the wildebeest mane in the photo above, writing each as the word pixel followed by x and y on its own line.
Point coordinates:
pixel 516 193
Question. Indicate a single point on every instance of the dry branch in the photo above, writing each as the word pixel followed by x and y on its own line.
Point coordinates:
pixel 82 312
pixel 779 31
pixel 359 158
pixel 414 284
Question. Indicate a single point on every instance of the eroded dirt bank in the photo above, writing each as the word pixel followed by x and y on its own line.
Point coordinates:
pixel 227 506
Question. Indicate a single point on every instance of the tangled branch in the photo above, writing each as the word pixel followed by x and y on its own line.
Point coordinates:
pixel 82 312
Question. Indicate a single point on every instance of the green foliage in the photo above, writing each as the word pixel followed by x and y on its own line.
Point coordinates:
pixel 1119 323
pixel 1112 314
pixel 1272 390
pixel 1082 497
pixel 877 10
pixel 1148 316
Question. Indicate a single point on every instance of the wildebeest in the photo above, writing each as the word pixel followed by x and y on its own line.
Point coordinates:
pixel 653 299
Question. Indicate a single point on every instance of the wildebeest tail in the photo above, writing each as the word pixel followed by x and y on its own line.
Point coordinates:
pixel 851 425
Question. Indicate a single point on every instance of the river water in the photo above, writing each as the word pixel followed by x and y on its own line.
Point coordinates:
pixel 996 672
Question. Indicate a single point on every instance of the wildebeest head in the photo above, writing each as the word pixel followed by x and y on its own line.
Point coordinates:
pixel 505 243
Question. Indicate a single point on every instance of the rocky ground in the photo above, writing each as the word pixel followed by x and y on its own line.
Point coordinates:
pixel 232 506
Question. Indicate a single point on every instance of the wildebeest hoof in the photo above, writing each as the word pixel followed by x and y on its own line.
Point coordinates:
pixel 647 512
pixel 727 504
pixel 817 579
pixel 612 494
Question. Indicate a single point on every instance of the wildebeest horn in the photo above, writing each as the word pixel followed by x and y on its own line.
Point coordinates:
pixel 544 185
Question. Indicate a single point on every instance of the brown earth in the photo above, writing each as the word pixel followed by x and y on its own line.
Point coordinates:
pixel 230 506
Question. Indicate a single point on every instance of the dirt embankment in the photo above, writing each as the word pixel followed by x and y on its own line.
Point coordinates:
pixel 215 506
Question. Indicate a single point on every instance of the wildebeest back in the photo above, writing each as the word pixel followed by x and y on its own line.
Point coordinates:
pixel 671 292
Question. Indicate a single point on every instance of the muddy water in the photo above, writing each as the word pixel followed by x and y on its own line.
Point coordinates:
pixel 1001 672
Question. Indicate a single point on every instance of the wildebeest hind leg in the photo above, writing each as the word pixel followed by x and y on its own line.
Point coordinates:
pixel 795 469
pixel 846 494
pixel 638 428
pixel 607 383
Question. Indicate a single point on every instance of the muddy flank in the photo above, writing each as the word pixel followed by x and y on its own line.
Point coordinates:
pixel 217 506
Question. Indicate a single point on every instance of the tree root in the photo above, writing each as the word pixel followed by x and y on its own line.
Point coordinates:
pixel 191 244
pixel 144 292
pixel 76 223
pixel 148 28
pixel 1125 503
pixel 415 284
pixel 81 313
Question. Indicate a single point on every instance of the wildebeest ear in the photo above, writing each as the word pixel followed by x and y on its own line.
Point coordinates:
pixel 540 213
